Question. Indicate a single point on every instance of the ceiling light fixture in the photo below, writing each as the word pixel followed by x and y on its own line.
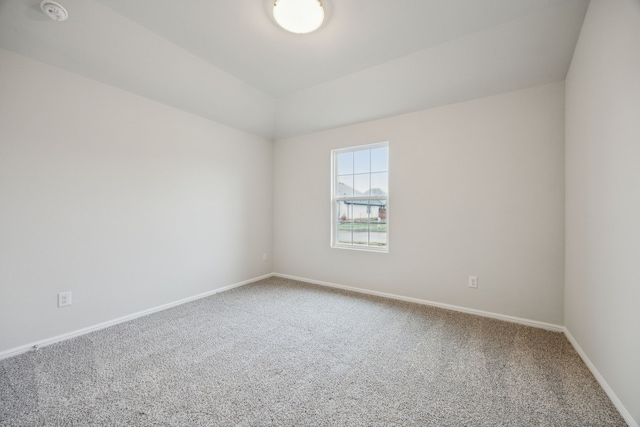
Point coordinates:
pixel 298 16
pixel 54 10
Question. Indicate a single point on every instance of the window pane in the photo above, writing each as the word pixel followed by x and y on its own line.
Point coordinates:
pixel 361 184
pixel 345 163
pixel 344 186
pixel 344 223
pixel 380 159
pixel 360 234
pixel 378 223
pixel 361 161
pixel 359 210
pixel 345 235
pixel 378 234
pixel 380 184
pixel 361 226
pixel 345 210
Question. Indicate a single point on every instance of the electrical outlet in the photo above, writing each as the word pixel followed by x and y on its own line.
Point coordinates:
pixel 473 281
pixel 265 257
pixel 64 298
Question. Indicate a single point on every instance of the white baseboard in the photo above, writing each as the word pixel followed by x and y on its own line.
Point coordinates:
pixel 534 323
pixel 528 322
pixel 607 389
pixel 512 319
pixel 62 337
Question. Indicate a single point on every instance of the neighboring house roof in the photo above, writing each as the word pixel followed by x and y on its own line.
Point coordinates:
pixel 346 190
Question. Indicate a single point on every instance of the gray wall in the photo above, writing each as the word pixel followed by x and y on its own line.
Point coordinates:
pixel 602 294
pixel 476 188
pixel 126 202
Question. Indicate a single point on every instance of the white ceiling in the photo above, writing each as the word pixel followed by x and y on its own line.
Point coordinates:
pixel 226 60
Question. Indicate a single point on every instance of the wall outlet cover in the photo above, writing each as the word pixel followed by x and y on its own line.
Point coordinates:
pixel 473 282
pixel 64 299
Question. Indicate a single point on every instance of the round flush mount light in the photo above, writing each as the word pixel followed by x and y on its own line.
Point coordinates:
pixel 298 16
pixel 54 10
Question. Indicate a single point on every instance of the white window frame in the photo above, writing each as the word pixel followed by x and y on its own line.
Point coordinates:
pixel 335 199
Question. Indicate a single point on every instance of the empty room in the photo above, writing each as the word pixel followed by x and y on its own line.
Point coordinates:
pixel 320 212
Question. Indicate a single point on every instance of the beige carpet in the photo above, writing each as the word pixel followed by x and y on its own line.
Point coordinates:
pixel 279 352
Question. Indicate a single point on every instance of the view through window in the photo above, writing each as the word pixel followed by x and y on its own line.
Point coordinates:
pixel 360 197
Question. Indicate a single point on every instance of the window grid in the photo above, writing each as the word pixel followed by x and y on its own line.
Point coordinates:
pixel 354 189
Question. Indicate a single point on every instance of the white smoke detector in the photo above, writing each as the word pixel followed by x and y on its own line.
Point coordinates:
pixel 54 10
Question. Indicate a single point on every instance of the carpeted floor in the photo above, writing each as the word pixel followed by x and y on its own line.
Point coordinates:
pixel 279 352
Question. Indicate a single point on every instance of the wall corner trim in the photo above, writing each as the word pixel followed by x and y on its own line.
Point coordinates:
pixel 62 337
pixel 528 322
pixel 603 383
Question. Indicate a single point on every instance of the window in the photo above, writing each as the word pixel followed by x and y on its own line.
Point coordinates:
pixel 360 197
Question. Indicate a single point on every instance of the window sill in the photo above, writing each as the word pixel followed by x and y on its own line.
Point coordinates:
pixel 384 250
